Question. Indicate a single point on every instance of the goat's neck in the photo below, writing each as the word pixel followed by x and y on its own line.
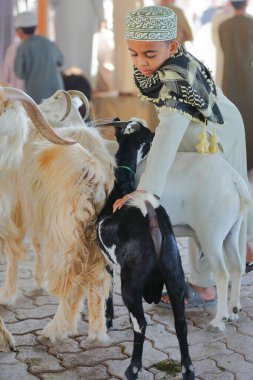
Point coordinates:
pixel 124 184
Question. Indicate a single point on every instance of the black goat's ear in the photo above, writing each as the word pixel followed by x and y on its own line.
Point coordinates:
pixel 116 119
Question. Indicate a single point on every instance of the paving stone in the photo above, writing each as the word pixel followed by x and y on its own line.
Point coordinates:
pixel 246 328
pixel 91 357
pixel 208 349
pixel 26 340
pixel 150 354
pixel 218 376
pixel 7 358
pixel 7 315
pixel 38 360
pixel 242 344
pixel 80 373
pixel 46 300
pixel 69 345
pixel 34 292
pixel 162 315
pixel 17 371
pixel 202 336
pixel 236 364
pixel 123 322
pixel 25 273
pixel 205 366
pixel 21 302
pixel 27 326
pixel 118 367
pixel 116 336
pixel 160 375
pixel 120 310
pixel 117 300
pixel 162 339
pixel 215 356
pixel 36 312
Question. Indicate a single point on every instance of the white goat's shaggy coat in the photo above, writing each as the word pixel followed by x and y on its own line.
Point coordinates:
pixel 54 193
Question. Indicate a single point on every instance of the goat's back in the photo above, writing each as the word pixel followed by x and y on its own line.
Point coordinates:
pixel 200 187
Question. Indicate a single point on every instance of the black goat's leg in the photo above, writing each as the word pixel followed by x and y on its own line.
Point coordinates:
pixel 177 303
pixel 133 301
pixel 109 309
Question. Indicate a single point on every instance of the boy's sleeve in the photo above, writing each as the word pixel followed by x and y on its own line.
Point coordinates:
pixel 168 136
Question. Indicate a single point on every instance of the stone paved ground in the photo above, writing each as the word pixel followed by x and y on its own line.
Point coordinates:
pixel 216 356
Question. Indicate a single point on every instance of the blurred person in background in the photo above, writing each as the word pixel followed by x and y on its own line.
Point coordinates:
pixel 184 31
pixel 37 59
pixel 9 75
pixel 102 65
pixel 223 14
pixel 236 40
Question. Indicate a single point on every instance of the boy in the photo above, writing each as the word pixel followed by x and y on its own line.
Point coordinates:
pixel 188 104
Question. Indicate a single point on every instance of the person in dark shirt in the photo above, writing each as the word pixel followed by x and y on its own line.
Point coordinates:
pixel 37 59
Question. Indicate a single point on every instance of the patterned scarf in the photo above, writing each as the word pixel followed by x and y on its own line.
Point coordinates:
pixel 182 84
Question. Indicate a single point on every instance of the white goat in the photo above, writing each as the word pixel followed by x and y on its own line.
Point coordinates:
pixel 61 109
pixel 206 199
pixel 54 194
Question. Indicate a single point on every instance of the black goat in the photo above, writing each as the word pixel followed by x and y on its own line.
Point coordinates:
pixel 139 237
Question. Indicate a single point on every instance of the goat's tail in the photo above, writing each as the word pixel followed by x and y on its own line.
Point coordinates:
pixel 246 200
pixel 155 232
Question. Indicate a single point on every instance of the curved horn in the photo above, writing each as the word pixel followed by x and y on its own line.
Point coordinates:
pixel 35 115
pixel 114 123
pixel 68 100
pixel 84 99
pixel 5 84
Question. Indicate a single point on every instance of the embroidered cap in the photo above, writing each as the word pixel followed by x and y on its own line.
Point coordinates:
pixel 25 20
pixel 153 23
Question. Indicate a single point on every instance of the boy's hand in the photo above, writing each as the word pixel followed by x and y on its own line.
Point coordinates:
pixel 121 201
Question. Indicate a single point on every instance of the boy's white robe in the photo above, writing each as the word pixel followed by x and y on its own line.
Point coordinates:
pixel 176 132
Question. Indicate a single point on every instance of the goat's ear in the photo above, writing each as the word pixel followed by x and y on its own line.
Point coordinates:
pixel 116 119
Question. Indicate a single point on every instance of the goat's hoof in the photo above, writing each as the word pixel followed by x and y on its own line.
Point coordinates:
pixel 7 341
pixel 188 374
pixel 234 317
pixel 132 372
pixel 98 336
pixel 54 333
pixel 7 298
pixel 216 327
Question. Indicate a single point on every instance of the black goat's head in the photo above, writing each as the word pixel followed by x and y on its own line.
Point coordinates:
pixel 134 140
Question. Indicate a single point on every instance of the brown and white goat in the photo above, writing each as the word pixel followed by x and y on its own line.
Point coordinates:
pixel 54 194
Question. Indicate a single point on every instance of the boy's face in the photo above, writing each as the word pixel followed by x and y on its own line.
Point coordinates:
pixel 149 56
